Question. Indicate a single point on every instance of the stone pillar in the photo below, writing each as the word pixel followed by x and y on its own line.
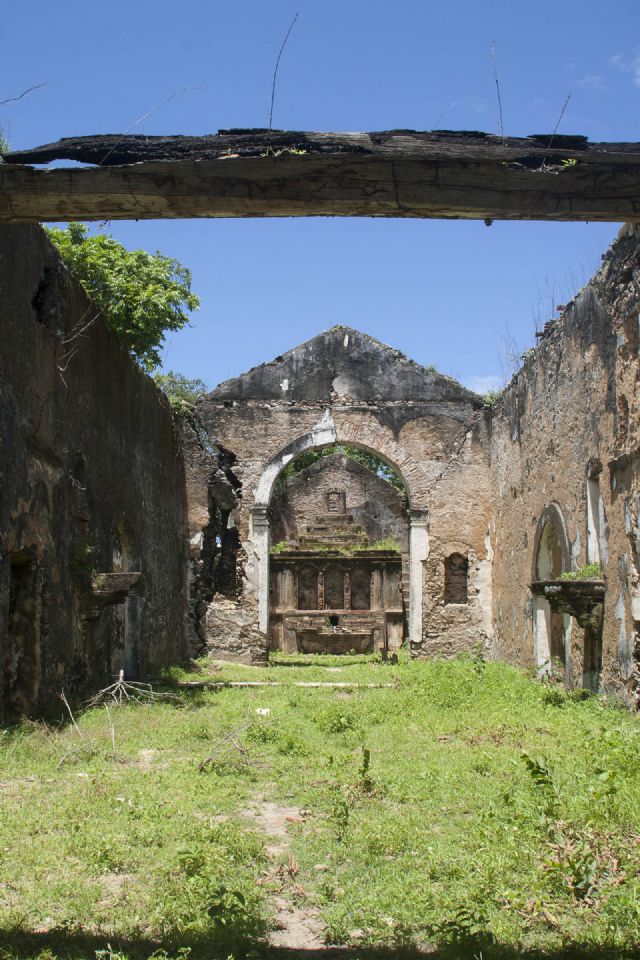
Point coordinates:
pixel 288 589
pixel 320 590
pixel 260 540
pixel 418 553
pixel 541 636
pixel 346 591
pixel 375 602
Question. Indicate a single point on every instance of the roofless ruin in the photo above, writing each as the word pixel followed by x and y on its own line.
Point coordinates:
pixel 339 497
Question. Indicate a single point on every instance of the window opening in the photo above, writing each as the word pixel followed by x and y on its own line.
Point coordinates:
pixel 456 572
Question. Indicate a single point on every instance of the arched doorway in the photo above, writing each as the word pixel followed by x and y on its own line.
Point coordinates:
pixel 551 630
pixel 337 538
pixel 367 549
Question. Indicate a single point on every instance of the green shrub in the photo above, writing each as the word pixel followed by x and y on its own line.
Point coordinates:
pixel 590 571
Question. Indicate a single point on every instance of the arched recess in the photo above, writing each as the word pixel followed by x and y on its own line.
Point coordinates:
pixel 551 558
pixel 323 435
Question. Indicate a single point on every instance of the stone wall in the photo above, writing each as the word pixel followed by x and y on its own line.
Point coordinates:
pixel 371 502
pixel 345 387
pixel 94 572
pixel 93 494
pixel 565 458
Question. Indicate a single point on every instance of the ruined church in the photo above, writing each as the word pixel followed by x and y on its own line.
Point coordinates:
pixel 337 498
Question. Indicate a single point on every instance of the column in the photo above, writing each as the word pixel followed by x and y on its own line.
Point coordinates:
pixel 418 553
pixel 260 540
pixel 320 604
pixel 346 590
pixel 375 600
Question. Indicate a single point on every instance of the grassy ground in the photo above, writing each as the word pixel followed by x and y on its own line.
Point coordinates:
pixel 467 807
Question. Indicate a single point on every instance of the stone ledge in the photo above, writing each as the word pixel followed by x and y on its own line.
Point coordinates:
pixel 108 589
pixel 582 599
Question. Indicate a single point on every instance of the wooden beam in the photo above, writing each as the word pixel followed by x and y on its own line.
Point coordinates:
pixel 261 173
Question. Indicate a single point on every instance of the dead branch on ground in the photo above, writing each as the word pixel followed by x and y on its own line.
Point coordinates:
pixel 225 745
pixel 129 691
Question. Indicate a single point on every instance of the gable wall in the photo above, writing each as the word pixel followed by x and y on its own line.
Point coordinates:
pixel 437 443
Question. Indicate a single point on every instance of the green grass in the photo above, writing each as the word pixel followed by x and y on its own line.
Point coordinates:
pixel 468 807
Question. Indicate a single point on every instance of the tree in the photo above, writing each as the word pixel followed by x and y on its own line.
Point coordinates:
pixel 140 295
pixel 181 392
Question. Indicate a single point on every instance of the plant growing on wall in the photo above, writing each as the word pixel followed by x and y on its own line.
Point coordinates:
pixel 140 295
pixel 591 571
pixel 181 391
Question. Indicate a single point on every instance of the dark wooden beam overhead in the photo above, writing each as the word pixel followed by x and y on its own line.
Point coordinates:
pixel 262 173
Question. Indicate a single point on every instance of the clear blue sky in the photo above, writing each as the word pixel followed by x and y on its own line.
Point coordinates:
pixel 446 293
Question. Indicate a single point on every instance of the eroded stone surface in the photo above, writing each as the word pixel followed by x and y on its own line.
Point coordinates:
pixel 565 454
pixel 345 387
pixel 93 492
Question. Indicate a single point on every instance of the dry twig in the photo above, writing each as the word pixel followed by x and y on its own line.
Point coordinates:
pixel 90 746
pixel 112 730
pixel 123 691
pixel 145 116
pixel 495 77
pixel 555 130
pixel 230 740
pixel 275 71
pixel 72 718
pixel 36 86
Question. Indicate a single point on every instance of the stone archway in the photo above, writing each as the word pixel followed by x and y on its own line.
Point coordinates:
pixel 325 434
pixel 338 564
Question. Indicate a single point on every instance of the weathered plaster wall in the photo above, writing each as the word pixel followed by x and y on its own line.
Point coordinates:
pixel 345 387
pixel 371 502
pixel 567 425
pixel 92 482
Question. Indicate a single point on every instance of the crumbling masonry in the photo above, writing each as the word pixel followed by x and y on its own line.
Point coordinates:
pixel 128 541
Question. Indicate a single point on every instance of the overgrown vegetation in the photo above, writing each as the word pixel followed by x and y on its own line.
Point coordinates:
pixel 491 397
pixel 369 460
pixel 457 807
pixel 182 393
pixel 590 571
pixel 280 547
pixel 344 549
pixel 140 295
pixel 385 543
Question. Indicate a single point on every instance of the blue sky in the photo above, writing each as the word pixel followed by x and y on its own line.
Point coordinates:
pixel 455 294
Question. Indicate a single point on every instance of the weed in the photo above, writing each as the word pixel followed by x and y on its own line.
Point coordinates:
pixel 340 816
pixel 386 543
pixel 591 571
pixel 555 697
pixel 280 547
pixel 336 719
pixel 365 781
pixel 467 926
pixel 491 398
